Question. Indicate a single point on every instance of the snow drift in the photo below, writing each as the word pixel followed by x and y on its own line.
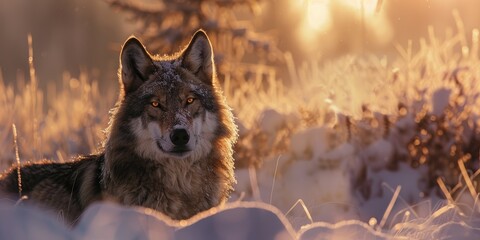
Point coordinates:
pixel 239 220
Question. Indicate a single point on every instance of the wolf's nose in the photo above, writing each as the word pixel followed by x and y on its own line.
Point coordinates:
pixel 179 137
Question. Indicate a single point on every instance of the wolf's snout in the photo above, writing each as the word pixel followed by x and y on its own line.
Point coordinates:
pixel 179 137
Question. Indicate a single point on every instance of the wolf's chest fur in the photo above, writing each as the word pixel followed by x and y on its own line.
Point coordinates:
pixel 178 189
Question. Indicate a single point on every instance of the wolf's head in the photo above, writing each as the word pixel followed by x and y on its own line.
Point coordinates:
pixel 170 106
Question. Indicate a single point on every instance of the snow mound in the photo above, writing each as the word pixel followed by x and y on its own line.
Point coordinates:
pixel 247 220
pixel 310 143
pixel 345 230
pixel 271 121
pixel 239 220
pixel 378 154
pixel 111 221
pixel 25 222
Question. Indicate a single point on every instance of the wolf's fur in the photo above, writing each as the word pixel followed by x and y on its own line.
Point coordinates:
pixel 169 142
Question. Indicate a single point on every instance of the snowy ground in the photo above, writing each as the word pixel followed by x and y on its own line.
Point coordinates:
pixel 240 220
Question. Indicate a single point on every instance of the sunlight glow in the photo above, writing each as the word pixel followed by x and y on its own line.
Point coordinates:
pixel 318 12
pixel 318 15
pixel 322 21
pixel 369 6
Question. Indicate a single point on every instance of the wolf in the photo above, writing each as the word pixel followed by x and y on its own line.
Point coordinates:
pixel 168 144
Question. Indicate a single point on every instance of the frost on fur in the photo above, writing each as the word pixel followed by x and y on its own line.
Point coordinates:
pixel 135 65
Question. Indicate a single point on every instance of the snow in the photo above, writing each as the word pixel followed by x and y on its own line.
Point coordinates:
pixel 345 230
pixel 310 143
pixel 383 185
pixel 440 101
pixel 110 221
pixel 378 154
pixel 271 121
pixel 25 222
pixel 237 220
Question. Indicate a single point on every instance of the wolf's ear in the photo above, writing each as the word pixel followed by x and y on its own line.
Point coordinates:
pixel 198 57
pixel 136 65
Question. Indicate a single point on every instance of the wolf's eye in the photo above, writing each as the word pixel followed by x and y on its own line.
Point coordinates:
pixel 190 100
pixel 155 104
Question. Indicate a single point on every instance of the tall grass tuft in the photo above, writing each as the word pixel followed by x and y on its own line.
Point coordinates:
pixel 58 122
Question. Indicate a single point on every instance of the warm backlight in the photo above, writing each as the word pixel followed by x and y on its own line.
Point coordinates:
pixel 318 14
pixel 367 6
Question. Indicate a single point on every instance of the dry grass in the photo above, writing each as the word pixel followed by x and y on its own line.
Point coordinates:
pixel 57 122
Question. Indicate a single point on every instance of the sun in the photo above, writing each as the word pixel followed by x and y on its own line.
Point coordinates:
pixel 318 15
pixel 368 6
pixel 318 12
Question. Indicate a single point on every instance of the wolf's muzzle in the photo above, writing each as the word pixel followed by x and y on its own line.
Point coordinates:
pixel 179 137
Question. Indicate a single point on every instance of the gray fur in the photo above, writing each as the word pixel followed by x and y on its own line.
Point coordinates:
pixel 139 163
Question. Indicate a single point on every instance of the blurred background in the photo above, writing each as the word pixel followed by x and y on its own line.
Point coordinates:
pixel 75 35
pixel 349 101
